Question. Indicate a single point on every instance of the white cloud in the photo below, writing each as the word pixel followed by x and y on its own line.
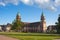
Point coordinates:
pixel 28 2
pixel 46 4
pixel 15 2
pixel 42 1
pixel 2 4
pixel 52 8
pixel 57 2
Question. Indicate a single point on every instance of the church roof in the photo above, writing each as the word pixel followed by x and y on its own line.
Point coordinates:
pixel 34 24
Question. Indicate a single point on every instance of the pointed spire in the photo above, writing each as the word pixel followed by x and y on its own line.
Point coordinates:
pixel 42 13
pixel 42 16
pixel 18 16
pixel 18 13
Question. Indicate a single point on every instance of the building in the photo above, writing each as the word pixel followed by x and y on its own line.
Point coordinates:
pixel 52 29
pixel 39 26
pixel 0 28
pixel 5 28
pixel 35 26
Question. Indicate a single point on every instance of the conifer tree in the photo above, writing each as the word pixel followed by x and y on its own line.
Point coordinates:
pixel 58 25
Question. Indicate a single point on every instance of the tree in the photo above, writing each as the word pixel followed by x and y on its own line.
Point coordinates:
pixel 17 24
pixel 58 25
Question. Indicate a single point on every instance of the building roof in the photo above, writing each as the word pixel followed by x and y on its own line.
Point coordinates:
pixel 34 24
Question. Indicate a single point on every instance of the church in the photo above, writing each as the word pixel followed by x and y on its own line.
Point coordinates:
pixel 35 26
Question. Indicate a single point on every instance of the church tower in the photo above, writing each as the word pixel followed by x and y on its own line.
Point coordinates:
pixel 43 23
pixel 18 18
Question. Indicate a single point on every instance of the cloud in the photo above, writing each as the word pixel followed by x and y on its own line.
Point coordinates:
pixel 28 2
pixel 2 4
pixel 45 4
pixel 52 8
pixel 57 3
pixel 5 2
pixel 15 2
pixel 42 1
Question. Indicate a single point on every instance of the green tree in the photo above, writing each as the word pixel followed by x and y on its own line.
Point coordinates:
pixel 17 24
pixel 58 25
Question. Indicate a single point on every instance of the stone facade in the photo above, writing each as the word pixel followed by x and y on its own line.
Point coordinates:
pixel 5 28
pixel 36 26
pixel 39 26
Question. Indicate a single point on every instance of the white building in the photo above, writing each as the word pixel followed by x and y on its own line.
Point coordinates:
pixel 0 28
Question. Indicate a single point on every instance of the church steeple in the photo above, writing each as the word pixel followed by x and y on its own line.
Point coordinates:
pixel 42 17
pixel 18 16
pixel 43 23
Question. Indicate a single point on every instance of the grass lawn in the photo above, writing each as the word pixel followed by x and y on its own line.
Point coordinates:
pixel 31 36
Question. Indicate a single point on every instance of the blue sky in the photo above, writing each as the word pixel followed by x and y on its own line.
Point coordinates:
pixel 30 10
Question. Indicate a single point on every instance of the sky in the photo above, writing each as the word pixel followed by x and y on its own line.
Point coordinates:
pixel 30 10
